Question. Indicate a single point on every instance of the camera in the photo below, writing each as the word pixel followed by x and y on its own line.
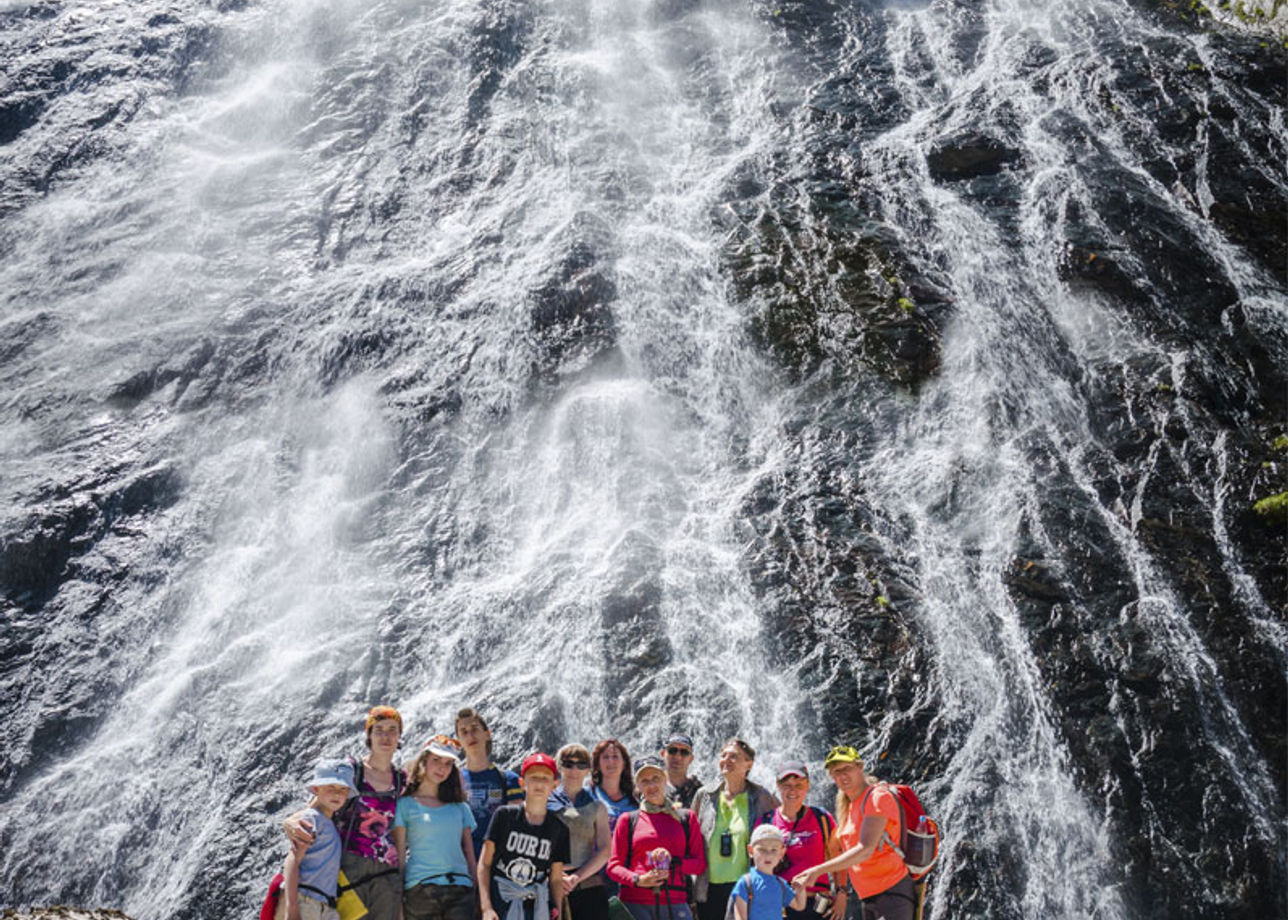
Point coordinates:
pixel 726 844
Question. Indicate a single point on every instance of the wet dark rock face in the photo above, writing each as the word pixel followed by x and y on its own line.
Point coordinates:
pixel 969 156
pixel 1141 506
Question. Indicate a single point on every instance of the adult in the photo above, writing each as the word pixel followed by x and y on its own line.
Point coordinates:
pixel 588 836
pixel 727 811
pixel 369 859
pixel 487 786
pixel 521 867
pixel 869 812
pixel 432 832
pixel 654 849
pixel 610 778
pixel 809 838
pixel 677 753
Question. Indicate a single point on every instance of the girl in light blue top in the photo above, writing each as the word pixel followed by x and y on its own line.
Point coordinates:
pixel 432 830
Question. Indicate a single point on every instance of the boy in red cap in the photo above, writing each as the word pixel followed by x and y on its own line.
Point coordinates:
pixel 520 869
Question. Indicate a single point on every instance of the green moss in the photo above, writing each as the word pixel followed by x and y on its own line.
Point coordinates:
pixel 1280 443
pixel 906 305
pixel 1165 388
pixel 883 601
pixel 1273 508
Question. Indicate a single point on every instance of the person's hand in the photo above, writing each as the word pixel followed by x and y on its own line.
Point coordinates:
pixel 293 913
pixel 298 830
pixel 570 881
pixel 653 878
pixel 491 914
pixel 804 880
pixel 838 906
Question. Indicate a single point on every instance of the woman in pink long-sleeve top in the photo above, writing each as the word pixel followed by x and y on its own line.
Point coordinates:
pixel 654 849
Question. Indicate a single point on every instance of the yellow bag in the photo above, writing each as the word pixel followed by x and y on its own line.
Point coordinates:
pixel 347 901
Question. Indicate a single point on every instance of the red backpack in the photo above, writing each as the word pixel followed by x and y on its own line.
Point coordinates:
pixel 918 844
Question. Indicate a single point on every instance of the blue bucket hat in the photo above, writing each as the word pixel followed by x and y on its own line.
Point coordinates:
pixel 333 773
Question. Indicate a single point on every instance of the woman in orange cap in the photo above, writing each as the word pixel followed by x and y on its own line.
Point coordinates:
pixel 870 818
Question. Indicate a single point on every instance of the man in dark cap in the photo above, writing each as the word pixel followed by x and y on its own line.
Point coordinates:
pixel 677 753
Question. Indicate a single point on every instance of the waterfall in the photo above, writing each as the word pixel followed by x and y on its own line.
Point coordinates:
pixel 895 373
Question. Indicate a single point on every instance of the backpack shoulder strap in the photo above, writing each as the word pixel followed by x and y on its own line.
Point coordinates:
pixel 686 818
pixel 632 819
pixel 825 822
pixel 751 895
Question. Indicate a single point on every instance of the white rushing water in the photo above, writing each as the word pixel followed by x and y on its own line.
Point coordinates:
pixel 466 412
pixel 329 552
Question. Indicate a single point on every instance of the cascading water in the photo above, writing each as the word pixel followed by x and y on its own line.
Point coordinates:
pixel 899 373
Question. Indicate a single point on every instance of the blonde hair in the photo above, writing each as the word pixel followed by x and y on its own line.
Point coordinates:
pixel 843 801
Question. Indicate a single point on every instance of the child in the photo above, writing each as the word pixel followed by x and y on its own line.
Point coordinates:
pixel 309 885
pixel 761 895
pixel 432 828
pixel 521 866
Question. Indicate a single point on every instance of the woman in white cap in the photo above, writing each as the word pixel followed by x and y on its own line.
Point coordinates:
pixel 432 830
pixel 868 813
pixel 809 838
pixel 654 848
pixel 727 811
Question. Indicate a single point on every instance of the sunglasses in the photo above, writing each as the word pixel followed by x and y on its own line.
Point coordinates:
pixel 575 764
pixel 679 750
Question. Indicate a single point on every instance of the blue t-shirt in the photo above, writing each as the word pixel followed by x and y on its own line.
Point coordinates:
pixel 320 866
pixel 616 807
pixel 434 853
pixel 486 791
pixel 770 895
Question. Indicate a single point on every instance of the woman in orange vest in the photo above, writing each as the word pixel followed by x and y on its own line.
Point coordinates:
pixel 869 816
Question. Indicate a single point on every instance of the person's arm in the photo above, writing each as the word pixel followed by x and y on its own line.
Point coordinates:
pixel 485 881
pixel 738 897
pixel 870 833
pixel 618 871
pixel 799 897
pixel 291 885
pixel 299 830
pixel 400 842
pixel 695 862
pixel 467 847
pixel 557 887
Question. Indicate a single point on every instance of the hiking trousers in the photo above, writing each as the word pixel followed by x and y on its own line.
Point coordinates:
pixel 898 902
pixel 378 884
pixel 310 909
pixel 427 901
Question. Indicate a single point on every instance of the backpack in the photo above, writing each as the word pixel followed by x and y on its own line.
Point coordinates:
pixel 917 846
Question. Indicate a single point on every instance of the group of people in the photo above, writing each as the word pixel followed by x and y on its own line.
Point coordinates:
pixel 588 833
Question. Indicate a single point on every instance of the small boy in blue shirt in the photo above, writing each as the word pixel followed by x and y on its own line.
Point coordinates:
pixel 310 875
pixel 761 895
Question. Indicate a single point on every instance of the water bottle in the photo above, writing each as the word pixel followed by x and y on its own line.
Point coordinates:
pixel 922 826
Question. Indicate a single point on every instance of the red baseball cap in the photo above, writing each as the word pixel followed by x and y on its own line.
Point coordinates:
pixel 538 759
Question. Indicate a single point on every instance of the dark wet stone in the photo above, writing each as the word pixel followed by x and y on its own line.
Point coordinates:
pixel 968 156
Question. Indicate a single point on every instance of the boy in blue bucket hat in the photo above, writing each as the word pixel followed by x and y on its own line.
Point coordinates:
pixel 310 875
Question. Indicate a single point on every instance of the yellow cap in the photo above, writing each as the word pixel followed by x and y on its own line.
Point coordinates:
pixel 842 754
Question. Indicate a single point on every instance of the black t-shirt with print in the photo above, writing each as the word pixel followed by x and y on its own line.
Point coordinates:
pixel 525 851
